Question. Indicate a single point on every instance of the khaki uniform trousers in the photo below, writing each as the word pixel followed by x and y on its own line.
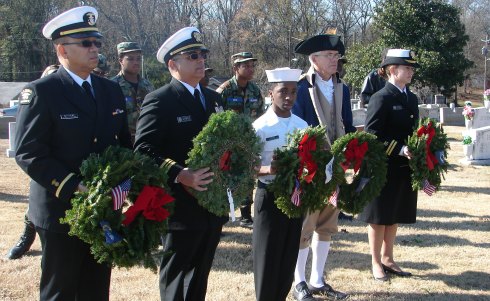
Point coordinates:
pixel 321 223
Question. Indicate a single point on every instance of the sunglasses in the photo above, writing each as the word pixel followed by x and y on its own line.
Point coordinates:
pixel 195 56
pixel 86 43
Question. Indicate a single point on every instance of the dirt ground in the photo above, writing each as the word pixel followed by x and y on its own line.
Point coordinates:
pixel 447 250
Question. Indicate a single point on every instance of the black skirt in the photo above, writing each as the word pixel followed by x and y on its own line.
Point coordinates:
pixel 397 203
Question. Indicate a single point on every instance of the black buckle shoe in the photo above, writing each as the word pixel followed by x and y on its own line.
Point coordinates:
pixel 24 243
pixel 302 293
pixel 327 290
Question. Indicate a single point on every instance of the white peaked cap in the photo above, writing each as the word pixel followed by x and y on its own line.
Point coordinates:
pixel 78 22
pixel 188 38
pixel 284 74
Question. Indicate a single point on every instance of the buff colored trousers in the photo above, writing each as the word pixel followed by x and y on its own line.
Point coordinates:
pixel 321 223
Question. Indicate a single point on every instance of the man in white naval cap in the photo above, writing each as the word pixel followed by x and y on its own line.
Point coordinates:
pixel 63 117
pixel 275 235
pixel 170 118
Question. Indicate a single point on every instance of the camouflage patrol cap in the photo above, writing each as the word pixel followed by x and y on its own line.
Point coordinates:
pixel 102 66
pixel 127 47
pixel 242 57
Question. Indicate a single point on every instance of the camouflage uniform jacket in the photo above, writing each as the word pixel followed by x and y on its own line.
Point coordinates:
pixel 133 99
pixel 249 102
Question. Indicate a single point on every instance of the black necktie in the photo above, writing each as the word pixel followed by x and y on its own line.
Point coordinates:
pixel 197 97
pixel 86 86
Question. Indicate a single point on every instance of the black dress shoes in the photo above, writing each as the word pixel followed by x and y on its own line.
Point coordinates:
pixel 327 290
pixel 382 279
pixel 398 273
pixel 24 243
pixel 302 293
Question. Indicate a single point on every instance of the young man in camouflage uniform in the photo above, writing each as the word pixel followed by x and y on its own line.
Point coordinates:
pixel 243 96
pixel 103 67
pixel 133 86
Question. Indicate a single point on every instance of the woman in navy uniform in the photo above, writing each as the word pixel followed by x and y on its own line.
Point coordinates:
pixel 391 116
pixel 170 118
pixel 58 126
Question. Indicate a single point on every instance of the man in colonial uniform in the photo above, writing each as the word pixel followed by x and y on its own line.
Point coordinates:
pixel 323 99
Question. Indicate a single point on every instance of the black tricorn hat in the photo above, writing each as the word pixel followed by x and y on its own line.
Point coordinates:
pixel 320 43
pixel 399 57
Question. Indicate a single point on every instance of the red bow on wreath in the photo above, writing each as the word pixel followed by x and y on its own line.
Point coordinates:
pixel 306 146
pixel 151 201
pixel 430 131
pixel 354 153
pixel 225 161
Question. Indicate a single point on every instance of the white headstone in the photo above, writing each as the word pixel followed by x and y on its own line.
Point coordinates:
pixel 11 149
pixel 452 116
pixel 481 141
pixel 481 118
pixel 359 117
pixel 431 111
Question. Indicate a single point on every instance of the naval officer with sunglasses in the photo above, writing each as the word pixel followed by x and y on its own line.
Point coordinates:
pixel 63 118
pixel 170 118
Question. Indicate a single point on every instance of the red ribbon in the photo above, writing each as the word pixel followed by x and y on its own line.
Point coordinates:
pixel 225 161
pixel 354 153
pixel 306 146
pixel 430 131
pixel 150 201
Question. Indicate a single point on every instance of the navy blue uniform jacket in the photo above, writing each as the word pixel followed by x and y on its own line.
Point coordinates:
pixel 58 126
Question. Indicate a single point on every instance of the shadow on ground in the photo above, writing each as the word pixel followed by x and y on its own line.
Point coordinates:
pixel 15 198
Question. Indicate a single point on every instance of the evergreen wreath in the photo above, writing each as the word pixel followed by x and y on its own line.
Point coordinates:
pixel 363 153
pixel 117 238
pixel 229 146
pixel 299 185
pixel 428 145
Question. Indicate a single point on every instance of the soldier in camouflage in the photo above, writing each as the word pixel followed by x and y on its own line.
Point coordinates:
pixel 243 96
pixel 103 67
pixel 133 86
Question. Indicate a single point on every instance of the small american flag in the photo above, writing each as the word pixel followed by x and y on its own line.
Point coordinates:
pixel 295 197
pixel 429 188
pixel 333 198
pixel 119 193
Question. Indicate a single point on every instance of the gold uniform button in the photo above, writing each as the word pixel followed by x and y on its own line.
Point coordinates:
pixel 411 116
pixel 115 136
pixel 95 140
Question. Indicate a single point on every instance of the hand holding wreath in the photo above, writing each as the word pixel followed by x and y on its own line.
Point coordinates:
pixel 428 145
pixel 301 182
pixel 229 147
pixel 120 238
pixel 365 155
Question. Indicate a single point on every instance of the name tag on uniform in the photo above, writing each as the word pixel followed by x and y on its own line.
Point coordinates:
pixel 68 116
pixel 272 138
pixel 235 99
pixel 181 119
pixel 117 111
pixel 397 108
